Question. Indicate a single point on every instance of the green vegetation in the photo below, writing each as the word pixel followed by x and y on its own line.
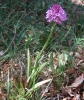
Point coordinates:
pixel 24 56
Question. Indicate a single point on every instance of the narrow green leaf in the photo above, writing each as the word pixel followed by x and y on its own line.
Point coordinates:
pixel 38 70
pixel 28 63
pixel 45 45
pixel 28 42
pixel 51 60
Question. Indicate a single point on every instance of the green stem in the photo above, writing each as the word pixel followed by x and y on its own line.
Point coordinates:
pixel 39 55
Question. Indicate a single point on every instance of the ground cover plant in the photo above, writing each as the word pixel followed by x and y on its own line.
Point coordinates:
pixel 39 60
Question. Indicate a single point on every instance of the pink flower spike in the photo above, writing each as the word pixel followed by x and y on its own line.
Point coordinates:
pixel 56 14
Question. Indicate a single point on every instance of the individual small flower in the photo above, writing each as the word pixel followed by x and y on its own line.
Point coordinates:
pixel 56 14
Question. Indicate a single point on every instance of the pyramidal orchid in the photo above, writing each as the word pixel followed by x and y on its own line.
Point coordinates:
pixel 56 14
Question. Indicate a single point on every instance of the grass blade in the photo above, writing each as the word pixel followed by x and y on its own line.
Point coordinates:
pixel 28 63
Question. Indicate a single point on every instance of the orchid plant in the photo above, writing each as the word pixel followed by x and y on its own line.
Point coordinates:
pixel 57 15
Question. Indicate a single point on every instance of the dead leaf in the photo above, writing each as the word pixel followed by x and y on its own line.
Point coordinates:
pixel 76 97
pixel 78 81
pixel 77 55
pixel 69 91
pixel 67 98
pixel 2 96
pixel 42 83
pixel 5 66
pixel 71 70
pixel 78 2
pixel 80 62
pixel 83 95
pixel 39 84
pixel 80 50
pixel 24 82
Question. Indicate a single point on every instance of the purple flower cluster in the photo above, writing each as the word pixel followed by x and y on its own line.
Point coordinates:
pixel 56 14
